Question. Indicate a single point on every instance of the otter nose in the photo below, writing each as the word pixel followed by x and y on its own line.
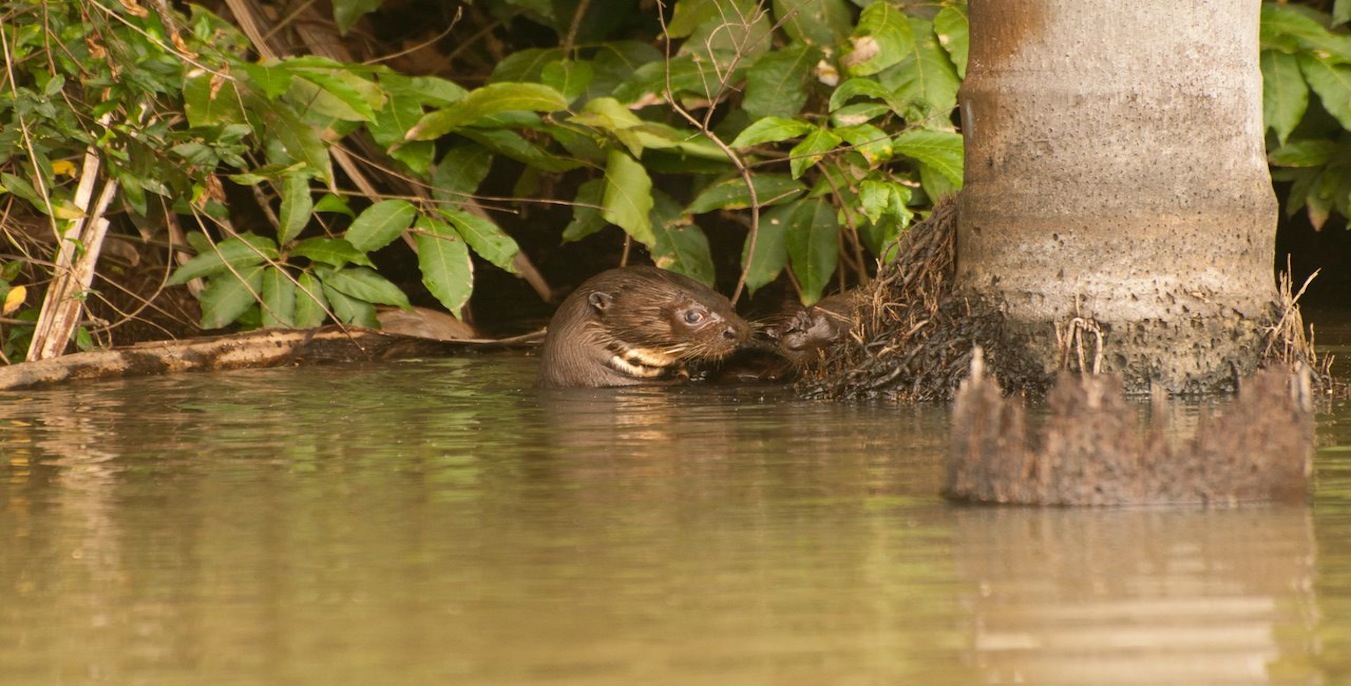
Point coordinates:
pixel 736 331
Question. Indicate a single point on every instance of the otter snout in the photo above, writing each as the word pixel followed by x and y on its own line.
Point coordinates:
pixel 736 331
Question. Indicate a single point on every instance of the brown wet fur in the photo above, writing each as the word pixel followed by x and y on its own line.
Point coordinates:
pixel 635 325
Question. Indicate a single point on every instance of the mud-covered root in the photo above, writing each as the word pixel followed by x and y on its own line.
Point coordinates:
pixel 1093 450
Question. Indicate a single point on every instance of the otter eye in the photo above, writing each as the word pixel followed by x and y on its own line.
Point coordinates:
pixel 693 317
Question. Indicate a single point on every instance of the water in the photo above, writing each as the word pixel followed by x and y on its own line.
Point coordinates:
pixel 440 522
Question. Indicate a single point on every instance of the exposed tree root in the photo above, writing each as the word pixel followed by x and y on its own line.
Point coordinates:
pixel 913 334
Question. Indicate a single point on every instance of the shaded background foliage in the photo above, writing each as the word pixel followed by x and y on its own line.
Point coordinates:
pixel 289 164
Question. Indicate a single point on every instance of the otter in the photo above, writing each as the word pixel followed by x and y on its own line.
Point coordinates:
pixel 635 325
pixel 809 330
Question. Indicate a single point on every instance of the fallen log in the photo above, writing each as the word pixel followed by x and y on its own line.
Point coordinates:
pixel 248 350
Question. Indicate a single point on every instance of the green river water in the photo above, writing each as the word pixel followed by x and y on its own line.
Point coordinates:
pixel 440 522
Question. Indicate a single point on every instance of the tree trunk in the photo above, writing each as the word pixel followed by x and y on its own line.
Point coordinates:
pixel 1117 188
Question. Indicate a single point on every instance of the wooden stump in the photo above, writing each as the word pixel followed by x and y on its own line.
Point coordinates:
pixel 1093 450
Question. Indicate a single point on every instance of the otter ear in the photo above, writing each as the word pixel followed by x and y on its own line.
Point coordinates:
pixel 600 300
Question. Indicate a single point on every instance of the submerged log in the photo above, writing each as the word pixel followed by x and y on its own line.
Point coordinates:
pixel 1092 449
pixel 249 350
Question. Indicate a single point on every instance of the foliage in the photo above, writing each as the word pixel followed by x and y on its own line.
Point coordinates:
pixel 1304 54
pixel 843 116
pixel 822 126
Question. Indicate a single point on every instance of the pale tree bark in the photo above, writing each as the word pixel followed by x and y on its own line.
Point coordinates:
pixel 1116 180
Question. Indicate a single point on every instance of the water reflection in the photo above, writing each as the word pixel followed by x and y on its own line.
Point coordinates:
pixel 1141 597
pixel 441 522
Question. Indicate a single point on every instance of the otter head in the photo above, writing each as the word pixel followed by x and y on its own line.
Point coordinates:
pixel 636 324
pixel 658 318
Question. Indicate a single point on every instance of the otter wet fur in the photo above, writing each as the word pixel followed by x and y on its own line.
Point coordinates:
pixel 636 325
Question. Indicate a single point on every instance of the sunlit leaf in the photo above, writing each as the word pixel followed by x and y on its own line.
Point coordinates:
pixel 586 212
pixel 485 237
pixel 379 224
pixel 732 193
pixel 925 81
pixel 1285 95
pixel 952 27
pixel 278 299
pixel 238 252
pixel 771 130
pixel 296 207
pixel 766 258
pixel 811 150
pixel 628 197
pixel 815 22
pixel 228 296
pixel 444 260
pixel 813 246
pixel 883 37
pixel 1332 83
pixel 335 252
pixel 349 310
pixel 776 83
pixel 366 285
pixel 311 307
pixel 482 102
pixel 938 150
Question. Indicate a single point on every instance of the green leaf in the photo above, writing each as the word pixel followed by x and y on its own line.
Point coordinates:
pixel 526 65
pixel 1289 29
pixel 925 81
pixel 1332 83
pixel 882 38
pixel 335 204
pixel 379 224
pixel 279 299
pixel 210 100
pixel 460 172
pixel 869 141
pixel 813 246
pixel 269 78
pixel 858 113
pixel 241 251
pixel 228 296
pixel 1306 153
pixel 347 12
pixel 444 260
pixel 19 186
pixel 568 77
pixel 301 142
pixel 586 211
pixel 349 310
pixel 296 207
pixel 628 197
pixel 509 144
pixel 485 237
pixel 494 98
pixel 941 151
pixel 811 150
pixel 311 308
pixel 822 23
pixel 771 130
pixel 334 93
pixel 683 74
pixel 776 85
pixel 1341 12
pixel 681 247
pixel 865 87
pixel 335 252
pixel 770 254
pixel 365 285
pixel 1285 95
pixel 732 194
pixel 952 27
